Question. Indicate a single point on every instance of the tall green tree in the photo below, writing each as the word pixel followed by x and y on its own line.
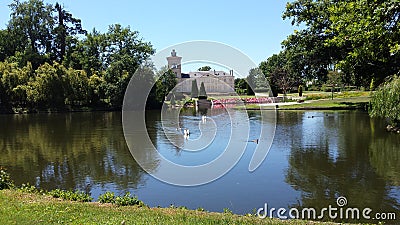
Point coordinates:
pixel 370 31
pixel 202 93
pixel 166 81
pixel 47 90
pixel 13 80
pixel 385 101
pixel 306 52
pixel 204 68
pixel 116 54
pixel 66 28
pixel 9 44
pixel 358 37
pixel 240 85
pixel 195 89
pixel 88 54
pixel 125 51
pixel 271 66
pixel 32 21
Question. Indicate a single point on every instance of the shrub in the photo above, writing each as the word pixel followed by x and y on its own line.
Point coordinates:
pixel 28 188
pixel 108 197
pixel 127 199
pixel 200 209
pixel 300 91
pixel 173 100
pixel 5 179
pixel 385 102
pixel 316 96
pixel 202 94
pixel 71 195
pixel 228 211
pixel 195 90
pixel 313 88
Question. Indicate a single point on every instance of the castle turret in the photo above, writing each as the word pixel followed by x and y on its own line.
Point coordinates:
pixel 174 63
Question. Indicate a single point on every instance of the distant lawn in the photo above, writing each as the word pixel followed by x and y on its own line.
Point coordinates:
pixel 17 207
pixel 338 103
pixel 315 95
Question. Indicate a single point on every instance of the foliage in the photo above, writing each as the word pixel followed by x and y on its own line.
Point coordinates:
pixel 5 179
pixel 13 80
pixel 108 197
pixel 370 32
pixel 228 211
pixel 32 22
pixel 195 89
pixel 257 80
pixel 49 211
pixel 358 37
pixel 334 78
pixel 71 195
pixel 172 101
pixel 67 27
pixel 165 83
pixel 306 53
pixel 284 79
pixel 269 68
pixel 204 68
pixel 49 61
pixel 28 188
pixel 385 101
pixel 240 86
pixel 47 89
pixel 127 199
pixel 202 92
pixel 300 90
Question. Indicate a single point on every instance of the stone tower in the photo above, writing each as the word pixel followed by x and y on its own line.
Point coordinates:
pixel 174 63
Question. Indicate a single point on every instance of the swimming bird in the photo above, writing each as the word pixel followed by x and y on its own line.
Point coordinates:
pixel 255 141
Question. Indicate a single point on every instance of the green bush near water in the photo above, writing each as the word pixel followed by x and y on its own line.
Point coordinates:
pixel 5 179
pixel 108 197
pixel 385 102
pixel 71 195
pixel 127 199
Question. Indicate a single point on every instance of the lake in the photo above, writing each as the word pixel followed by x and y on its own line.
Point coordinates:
pixel 316 156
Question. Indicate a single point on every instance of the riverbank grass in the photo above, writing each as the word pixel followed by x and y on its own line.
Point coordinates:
pixel 18 207
pixel 337 103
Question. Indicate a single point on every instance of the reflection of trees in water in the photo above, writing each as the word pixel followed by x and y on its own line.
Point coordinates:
pixel 338 164
pixel 384 153
pixel 67 150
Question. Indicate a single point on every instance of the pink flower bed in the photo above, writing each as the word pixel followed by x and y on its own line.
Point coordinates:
pixel 242 100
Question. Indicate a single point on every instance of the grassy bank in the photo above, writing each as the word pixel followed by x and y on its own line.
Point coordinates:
pixel 336 103
pixel 17 207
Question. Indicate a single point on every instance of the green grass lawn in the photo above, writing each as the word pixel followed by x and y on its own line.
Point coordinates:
pixel 336 103
pixel 315 95
pixel 17 207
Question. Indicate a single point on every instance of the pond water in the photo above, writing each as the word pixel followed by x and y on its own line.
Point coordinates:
pixel 316 156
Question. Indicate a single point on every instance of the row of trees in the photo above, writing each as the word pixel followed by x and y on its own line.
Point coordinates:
pixel 352 42
pixel 195 93
pixel 49 60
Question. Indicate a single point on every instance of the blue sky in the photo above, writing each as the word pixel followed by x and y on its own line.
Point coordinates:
pixel 254 27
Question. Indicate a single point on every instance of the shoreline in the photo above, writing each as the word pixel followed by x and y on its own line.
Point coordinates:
pixel 353 103
pixel 20 207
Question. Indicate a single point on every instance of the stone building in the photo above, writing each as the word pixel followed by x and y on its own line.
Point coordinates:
pixel 218 82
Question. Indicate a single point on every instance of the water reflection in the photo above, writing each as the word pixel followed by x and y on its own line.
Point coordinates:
pixel 67 151
pixel 315 157
pixel 336 154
